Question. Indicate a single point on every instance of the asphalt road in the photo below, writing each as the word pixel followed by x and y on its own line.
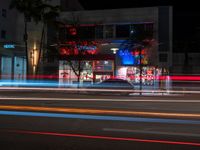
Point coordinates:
pixel 63 121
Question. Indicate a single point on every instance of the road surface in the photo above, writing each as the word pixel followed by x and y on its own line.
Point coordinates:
pixel 64 121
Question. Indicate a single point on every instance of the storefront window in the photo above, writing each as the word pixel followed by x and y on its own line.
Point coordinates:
pixel 19 68
pixel 100 66
pixel 6 68
pixel 149 75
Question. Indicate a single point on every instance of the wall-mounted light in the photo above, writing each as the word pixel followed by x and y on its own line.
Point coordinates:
pixel 34 57
pixel 114 50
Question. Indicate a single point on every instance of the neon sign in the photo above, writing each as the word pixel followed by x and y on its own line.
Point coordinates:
pixel 132 57
pixel 80 47
pixel 9 46
pixel 126 57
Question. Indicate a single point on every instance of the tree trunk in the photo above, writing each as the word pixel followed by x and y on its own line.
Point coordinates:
pixel 140 66
pixel 40 49
pixel 79 72
pixel 26 46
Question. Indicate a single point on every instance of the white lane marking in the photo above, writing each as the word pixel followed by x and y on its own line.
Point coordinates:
pixel 89 99
pixel 151 132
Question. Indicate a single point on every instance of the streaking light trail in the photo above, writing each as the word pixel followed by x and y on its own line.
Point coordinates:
pixel 99 99
pixel 98 111
pixel 100 90
pixel 106 138
pixel 99 117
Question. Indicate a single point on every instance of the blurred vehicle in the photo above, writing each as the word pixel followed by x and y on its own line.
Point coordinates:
pixel 122 87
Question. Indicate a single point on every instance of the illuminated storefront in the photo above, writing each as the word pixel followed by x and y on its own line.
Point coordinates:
pixel 97 59
pixel 92 71
pixel 150 75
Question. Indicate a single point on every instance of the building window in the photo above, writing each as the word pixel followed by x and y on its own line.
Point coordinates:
pixel 148 27
pixel 163 57
pixel 86 32
pixel 109 30
pixel 4 13
pixel 122 31
pixel 99 32
pixel 3 34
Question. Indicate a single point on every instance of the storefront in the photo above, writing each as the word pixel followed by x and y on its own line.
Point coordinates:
pixel 92 70
pixel 132 57
pixel 150 75
pixel 13 68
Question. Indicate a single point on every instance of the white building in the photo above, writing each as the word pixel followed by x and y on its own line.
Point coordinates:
pixel 12 47
pixel 12 60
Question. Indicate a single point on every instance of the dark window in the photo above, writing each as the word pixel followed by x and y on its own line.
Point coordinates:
pixel 3 34
pixel 99 32
pixel 122 31
pixel 86 32
pixel 4 13
pixel 81 32
pixel 109 29
pixel 142 31
pixel 163 57
pixel 148 27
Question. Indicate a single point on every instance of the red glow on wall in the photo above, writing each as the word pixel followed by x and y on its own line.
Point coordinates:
pixel 73 31
pixel 64 51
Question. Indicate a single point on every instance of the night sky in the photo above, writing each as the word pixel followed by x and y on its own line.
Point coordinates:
pixel 186 17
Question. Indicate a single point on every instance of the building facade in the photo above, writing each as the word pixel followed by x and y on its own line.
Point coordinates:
pixel 12 48
pixel 91 45
pixel 12 60
pixel 186 63
pixel 120 42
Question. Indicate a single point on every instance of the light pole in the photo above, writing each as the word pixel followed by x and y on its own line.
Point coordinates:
pixel 114 50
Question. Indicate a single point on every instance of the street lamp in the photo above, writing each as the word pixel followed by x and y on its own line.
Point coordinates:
pixel 114 50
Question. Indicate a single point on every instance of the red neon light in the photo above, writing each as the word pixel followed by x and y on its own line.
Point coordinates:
pixel 73 31
pixel 108 138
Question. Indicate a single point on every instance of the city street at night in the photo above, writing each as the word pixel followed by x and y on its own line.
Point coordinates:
pixel 60 120
pixel 99 75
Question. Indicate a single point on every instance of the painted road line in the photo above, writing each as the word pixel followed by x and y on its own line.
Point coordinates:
pixel 98 111
pixel 152 132
pixel 99 99
pixel 100 117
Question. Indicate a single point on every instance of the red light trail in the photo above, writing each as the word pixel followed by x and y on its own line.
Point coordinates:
pixel 106 138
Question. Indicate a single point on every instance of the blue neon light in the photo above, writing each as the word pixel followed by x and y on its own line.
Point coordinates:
pixel 7 46
pixel 126 57
pixel 87 47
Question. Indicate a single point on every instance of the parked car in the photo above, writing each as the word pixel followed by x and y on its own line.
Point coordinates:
pixel 119 85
